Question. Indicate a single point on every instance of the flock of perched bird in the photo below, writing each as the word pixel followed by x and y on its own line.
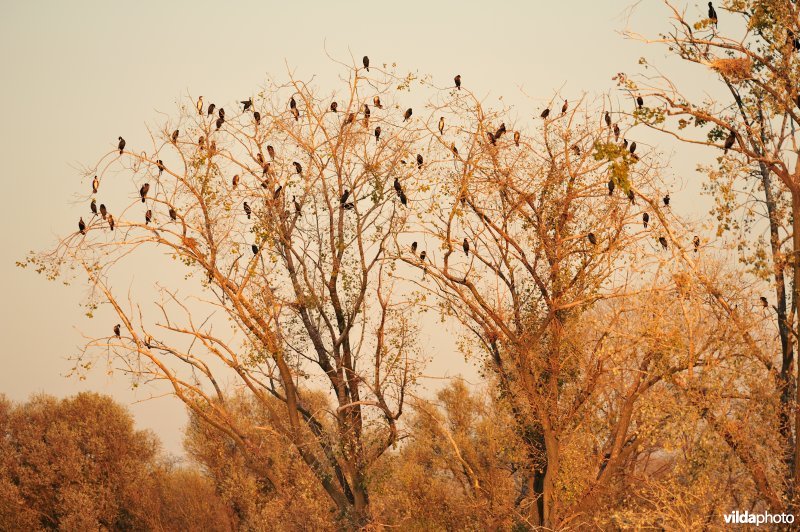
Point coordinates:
pixel 345 200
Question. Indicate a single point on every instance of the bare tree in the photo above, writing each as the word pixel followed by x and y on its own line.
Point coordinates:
pixel 281 215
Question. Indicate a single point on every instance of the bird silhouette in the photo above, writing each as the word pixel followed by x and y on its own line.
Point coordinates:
pixel 365 60
pixel 419 161
pixel 376 101
pixel 457 79
pixel 211 109
pixel 398 188
pixel 608 119
pixel 645 219
pixel 271 152
pixel 235 181
pixel 144 190
pixel 729 142
pixel 632 197
pixel 277 192
pixel 298 167
pixel 173 215
pixel 255 249
pixel 199 105
pixel 175 136
pixel 345 195
pixel 103 210
pixel 148 216
pixel 160 166
pixel 639 101
pixel 441 125
pixel 712 14
pixel 257 117
pixel 666 200
pixel 408 114
pixel 516 138
pixel 616 132
pixel 366 115
pixel 377 133
pixel 610 187
pixel 248 103
pixel 696 243
pixel 81 226
pixel 592 239
pixel 764 302
pixel 93 206
pixel 633 147
pixel 564 107
pixel 663 242
pixel 465 246
pixel 116 330
pixel 247 210
pixel 292 103
pixel 422 256
pixel 414 248
pixel 121 145
pixel 220 121
pixel 334 107
pixel 500 131
pixel 545 114
pixel 110 221
pixel 95 185
pixel 221 112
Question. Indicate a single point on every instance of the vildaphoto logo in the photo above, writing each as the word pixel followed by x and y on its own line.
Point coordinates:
pixel 746 518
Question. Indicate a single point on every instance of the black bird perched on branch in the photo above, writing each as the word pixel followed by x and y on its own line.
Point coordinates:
pixel 608 119
pixel 712 14
pixel 610 187
pixel 764 302
pixel 377 133
pixel 292 103
pixel 95 185
pixel 729 142
pixel 334 107
pixel 441 125
pixel 160 165
pixel 696 243
pixel 255 249
pixel 257 117
pixel 201 141
pixel 260 159
pixel 419 161
pixel 639 101
pixel 500 131
pixel 545 114
pixel 103 210
pixel 365 60
pixel 82 226
pixel 645 219
pixel 148 216
pixel 116 330
pixel 400 193
pixel 414 248
pixel 366 115
pixel 235 181
pixel 220 121
pixel 211 109
pixel 121 145
pixel 221 112
pixel 93 206
pixel 633 146
pixel 465 246
pixel 592 239
pixel 345 195
pixel 422 255
pixel 616 132
pixel 175 136
pixel 408 114
pixel 298 167
pixel 144 190
pixel 516 138
pixel 247 210
pixel 271 152
pixel 248 103
pixel 457 79
pixel 564 107
pixel 666 200
pixel 172 214
pixel 663 242
pixel 277 192
pixel 110 221
pixel 632 197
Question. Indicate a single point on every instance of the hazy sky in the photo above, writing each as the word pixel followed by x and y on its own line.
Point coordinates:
pixel 78 74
